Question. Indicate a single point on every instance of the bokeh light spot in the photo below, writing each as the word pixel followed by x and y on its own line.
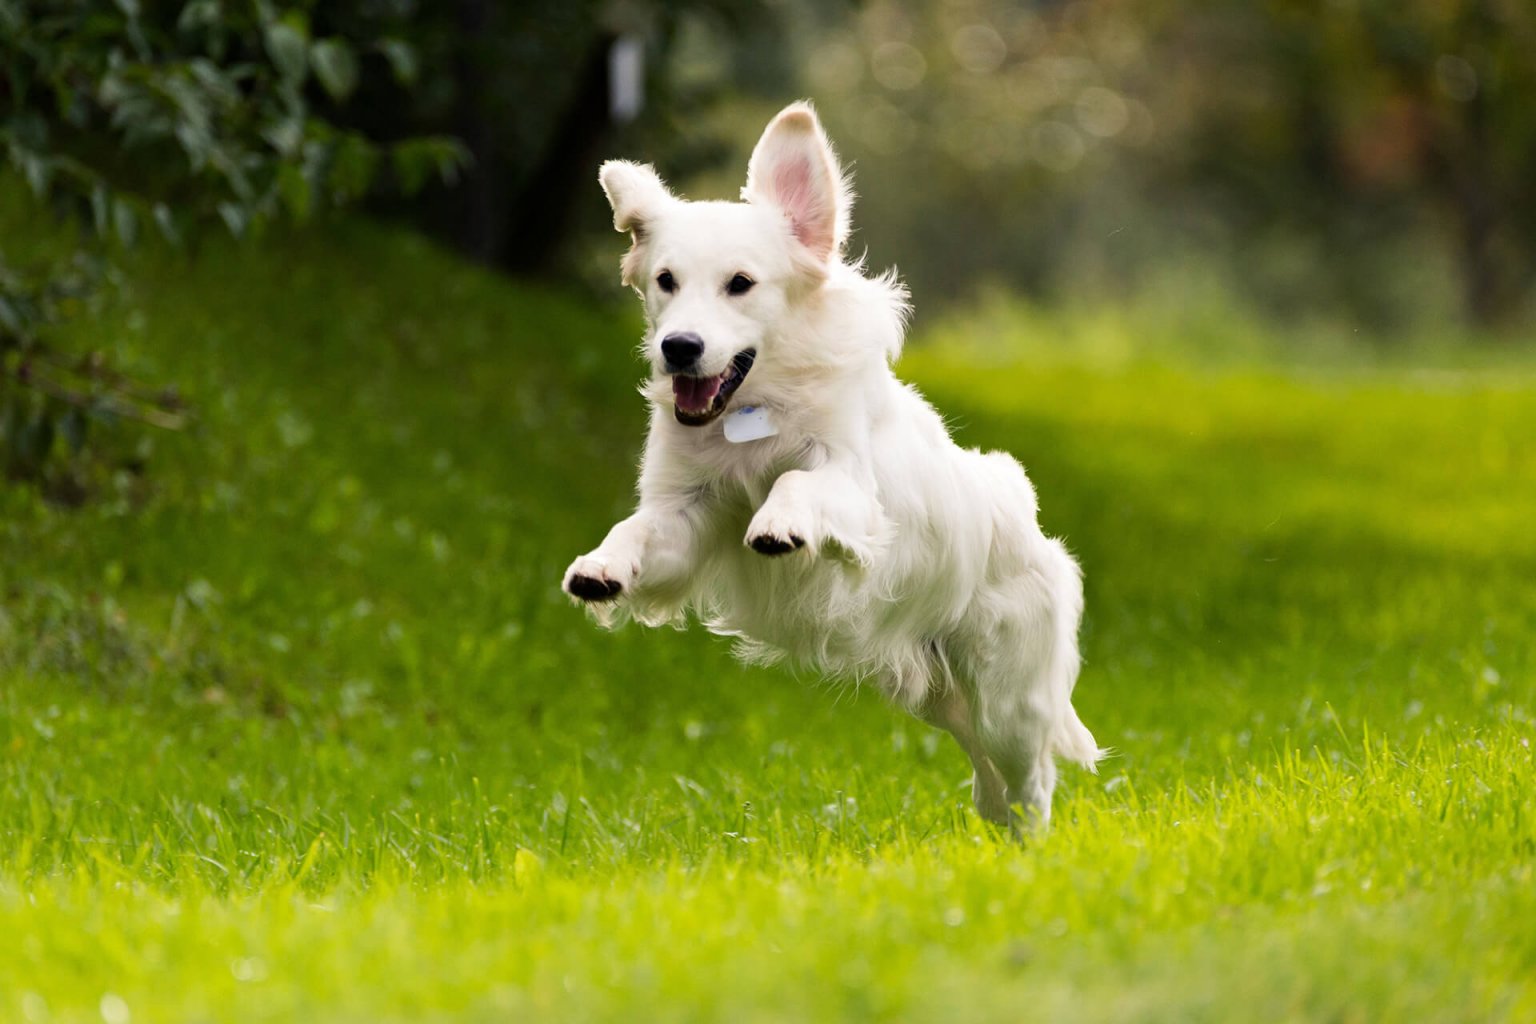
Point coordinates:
pixel 1102 112
pixel 1057 146
pixel 898 66
pixel 1456 77
pixel 978 49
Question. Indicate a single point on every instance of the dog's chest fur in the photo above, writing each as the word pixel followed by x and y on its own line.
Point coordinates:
pixel 732 473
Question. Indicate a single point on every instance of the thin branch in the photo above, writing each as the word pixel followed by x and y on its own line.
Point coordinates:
pixel 113 404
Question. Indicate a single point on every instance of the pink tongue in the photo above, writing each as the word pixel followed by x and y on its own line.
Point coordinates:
pixel 694 394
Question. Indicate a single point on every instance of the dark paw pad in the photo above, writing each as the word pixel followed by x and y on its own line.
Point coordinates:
pixel 590 588
pixel 768 545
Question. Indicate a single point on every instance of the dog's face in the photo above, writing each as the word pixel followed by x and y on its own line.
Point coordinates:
pixel 717 277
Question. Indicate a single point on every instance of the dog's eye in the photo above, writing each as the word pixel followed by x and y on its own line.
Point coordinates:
pixel 739 285
pixel 666 282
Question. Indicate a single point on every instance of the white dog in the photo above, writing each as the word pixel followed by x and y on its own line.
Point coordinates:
pixel 796 495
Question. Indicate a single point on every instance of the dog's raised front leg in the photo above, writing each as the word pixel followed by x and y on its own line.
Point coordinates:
pixel 645 556
pixel 823 509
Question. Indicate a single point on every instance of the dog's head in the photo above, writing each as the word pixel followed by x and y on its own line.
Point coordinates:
pixel 718 279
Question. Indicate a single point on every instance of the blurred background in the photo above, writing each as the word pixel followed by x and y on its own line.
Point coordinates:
pixel 1360 162
pixel 1342 180
pixel 1353 163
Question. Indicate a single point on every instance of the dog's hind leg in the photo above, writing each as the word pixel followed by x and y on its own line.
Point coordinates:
pixel 1017 739
pixel 1025 666
pixel 1024 673
pixel 950 710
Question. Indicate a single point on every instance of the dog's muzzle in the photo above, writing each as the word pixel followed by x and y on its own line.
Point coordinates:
pixel 698 400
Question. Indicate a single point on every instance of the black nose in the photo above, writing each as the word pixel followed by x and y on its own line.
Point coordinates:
pixel 682 349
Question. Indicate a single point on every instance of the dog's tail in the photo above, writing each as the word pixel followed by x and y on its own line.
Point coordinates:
pixel 1073 741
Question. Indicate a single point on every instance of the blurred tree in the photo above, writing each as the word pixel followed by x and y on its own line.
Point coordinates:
pixel 129 118
pixel 540 94
pixel 1383 111
pixel 1318 152
pixel 132 116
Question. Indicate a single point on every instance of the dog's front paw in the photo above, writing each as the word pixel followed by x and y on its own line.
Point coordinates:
pixel 768 544
pixel 770 534
pixel 592 579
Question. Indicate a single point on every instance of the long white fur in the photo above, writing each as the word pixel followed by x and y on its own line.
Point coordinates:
pixel 923 570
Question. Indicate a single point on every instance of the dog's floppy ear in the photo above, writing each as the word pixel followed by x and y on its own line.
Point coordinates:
pixel 794 168
pixel 637 196
pixel 635 193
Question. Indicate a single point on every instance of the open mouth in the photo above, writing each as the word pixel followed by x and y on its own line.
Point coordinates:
pixel 697 400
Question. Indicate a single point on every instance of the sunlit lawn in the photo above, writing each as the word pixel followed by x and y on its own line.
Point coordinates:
pixel 308 733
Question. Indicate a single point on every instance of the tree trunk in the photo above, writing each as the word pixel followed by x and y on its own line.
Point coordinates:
pixel 541 214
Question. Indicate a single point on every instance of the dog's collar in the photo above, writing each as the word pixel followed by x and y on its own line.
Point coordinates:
pixel 749 423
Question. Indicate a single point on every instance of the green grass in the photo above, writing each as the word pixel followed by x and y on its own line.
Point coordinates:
pixel 303 730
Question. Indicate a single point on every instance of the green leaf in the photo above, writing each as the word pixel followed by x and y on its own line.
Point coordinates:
pixel 38 170
pixel 353 163
pixel 35 441
pixel 73 426
pixel 28 129
pixel 413 165
pixel 295 189
pixel 285 135
pixel 199 14
pixel 196 142
pixel 166 222
pixel 403 62
pixel 235 218
pixel 336 66
pixel 287 45
pixel 416 160
pixel 101 209
pixel 10 319
pixel 219 85
pixel 10 422
pixel 125 221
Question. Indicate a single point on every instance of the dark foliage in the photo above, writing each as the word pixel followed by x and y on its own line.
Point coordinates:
pixel 129 118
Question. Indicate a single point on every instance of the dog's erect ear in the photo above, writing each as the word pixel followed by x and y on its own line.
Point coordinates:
pixel 635 193
pixel 794 168
pixel 637 196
